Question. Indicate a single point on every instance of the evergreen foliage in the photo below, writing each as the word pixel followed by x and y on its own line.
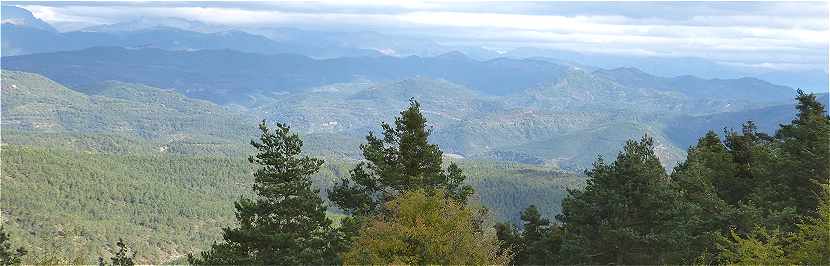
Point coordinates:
pixel 8 254
pixel 804 146
pixel 537 244
pixel 628 213
pixel 403 160
pixel 286 223
pixel 808 245
pixel 167 205
pixel 121 257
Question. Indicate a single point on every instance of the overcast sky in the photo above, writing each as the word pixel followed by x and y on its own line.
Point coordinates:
pixel 776 35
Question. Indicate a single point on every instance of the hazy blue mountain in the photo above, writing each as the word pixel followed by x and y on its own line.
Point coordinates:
pixel 699 88
pixel 226 76
pixel 144 23
pixel 392 45
pixel 811 80
pixel 685 130
pixel 20 40
pixel 181 34
pixel 21 17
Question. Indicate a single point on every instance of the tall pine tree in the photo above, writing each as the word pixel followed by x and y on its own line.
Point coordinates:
pixel 708 180
pixel 402 160
pixel 536 244
pixel 627 214
pixel 286 223
pixel 806 149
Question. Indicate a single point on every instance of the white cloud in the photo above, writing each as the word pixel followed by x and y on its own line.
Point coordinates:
pixel 788 34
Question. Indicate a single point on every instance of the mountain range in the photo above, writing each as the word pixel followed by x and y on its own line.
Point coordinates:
pixel 23 33
pixel 551 114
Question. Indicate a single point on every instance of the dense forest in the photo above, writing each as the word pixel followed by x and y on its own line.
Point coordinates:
pixel 745 197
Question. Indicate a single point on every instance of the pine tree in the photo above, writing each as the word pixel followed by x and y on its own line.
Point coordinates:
pixel 8 255
pixel 743 148
pixel 537 244
pixel 286 224
pixel 753 187
pixel 708 180
pixel 806 149
pixel 402 160
pixel 121 257
pixel 627 214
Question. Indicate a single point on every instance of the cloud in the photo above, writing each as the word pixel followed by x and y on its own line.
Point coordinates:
pixel 760 34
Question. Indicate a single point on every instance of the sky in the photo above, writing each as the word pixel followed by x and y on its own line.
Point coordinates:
pixel 774 35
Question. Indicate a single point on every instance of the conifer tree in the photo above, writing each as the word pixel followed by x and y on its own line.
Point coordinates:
pixel 9 255
pixel 286 223
pixel 627 214
pixel 121 257
pixel 538 242
pixel 706 179
pixel 808 245
pixel 806 152
pixel 402 160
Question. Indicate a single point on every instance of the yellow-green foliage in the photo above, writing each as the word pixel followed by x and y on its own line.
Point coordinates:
pixel 809 245
pixel 760 247
pixel 425 228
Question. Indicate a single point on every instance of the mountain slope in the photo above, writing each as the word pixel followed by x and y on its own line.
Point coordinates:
pixel 34 103
pixel 698 88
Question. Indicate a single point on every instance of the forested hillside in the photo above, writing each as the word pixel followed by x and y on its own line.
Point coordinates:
pixel 592 112
pixel 166 172
pixel 105 187
pixel 174 204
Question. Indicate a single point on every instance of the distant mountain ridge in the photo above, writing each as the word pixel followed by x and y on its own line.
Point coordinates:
pixel 181 34
pixel 226 76
pixel 698 87
pixel 20 17
pixel 144 23
pixel 684 130
pixel 222 75
pixel 21 40
pixel 811 80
